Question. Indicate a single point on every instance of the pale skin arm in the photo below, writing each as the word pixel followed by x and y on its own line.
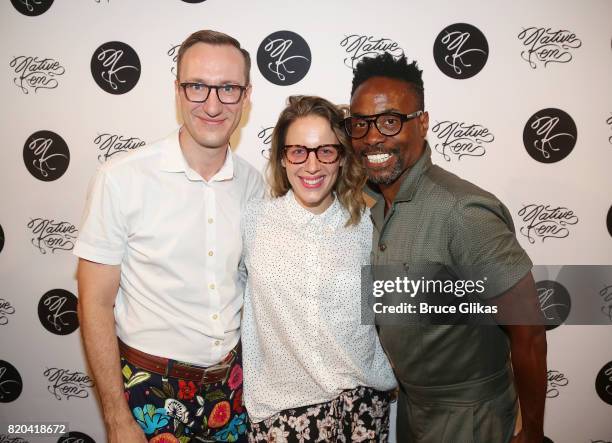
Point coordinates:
pixel 98 285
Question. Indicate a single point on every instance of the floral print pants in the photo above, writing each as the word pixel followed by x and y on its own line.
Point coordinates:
pixel 172 410
pixel 357 415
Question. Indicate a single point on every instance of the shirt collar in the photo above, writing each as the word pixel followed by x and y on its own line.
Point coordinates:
pixel 173 160
pixel 410 178
pixel 301 216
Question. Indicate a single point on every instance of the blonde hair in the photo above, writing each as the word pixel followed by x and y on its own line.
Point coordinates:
pixel 351 177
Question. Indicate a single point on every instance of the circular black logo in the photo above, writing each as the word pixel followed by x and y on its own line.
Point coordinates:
pixel 550 135
pixel 75 437
pixel 608 221
pixel 284 58
pixel 115 67
pixel 10 382
pixel 555 302
pixel 1 239
pixel 603 383
pixel 57 311
pixel 46 155
pixel 461 51
pixel 32 7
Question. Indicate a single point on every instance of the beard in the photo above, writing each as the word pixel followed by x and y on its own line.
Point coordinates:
pixel 388 175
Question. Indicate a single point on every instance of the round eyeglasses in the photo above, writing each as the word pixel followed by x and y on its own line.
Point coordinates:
pixel 387 123
pixel 227 94
pixel 297 154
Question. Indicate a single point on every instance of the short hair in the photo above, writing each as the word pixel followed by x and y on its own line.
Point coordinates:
pixel 351 176
pixel 385 65
pixel 213 38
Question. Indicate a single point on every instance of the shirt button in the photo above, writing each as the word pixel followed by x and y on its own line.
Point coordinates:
pixel 217 342
pixel 382 246
pixel 210 220
pixel 211 286
pixel 210 253
pixel 215 316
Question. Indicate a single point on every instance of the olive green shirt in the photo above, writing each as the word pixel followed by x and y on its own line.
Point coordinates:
pixel 438 218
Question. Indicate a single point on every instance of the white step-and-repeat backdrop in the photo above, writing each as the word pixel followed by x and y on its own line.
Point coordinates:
pixel 520 100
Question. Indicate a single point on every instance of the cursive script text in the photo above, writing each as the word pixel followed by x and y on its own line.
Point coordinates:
pixel 548 308
pixel 556 379
pixel 173 52
pixel 111 144
pixel 608 373
pixel 110 59
pixel 547 46
pixel 265 135
pixel 5 309
pixel 52 235
pixel 359 46
pixel 57 312
pixel 278 49
pixel 606 298
pixel 544 127
pixel 35 73
pixel 28 4
pixel 40 147
pixel 7 385
pixel 67 384
pixel 9 439
pixel 461 139
pixel 545 221
pixel 455 41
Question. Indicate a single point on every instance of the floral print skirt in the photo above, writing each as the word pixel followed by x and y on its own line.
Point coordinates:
pixel 356 415
pixel 172 410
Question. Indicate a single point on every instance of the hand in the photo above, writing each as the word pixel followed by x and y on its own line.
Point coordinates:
pixel 129 432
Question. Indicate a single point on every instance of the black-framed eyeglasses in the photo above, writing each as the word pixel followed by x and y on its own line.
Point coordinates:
pixel 387 123
pixel 227 94
pixel 298 154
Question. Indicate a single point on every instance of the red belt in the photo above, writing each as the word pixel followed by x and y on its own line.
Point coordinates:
pixel 172 368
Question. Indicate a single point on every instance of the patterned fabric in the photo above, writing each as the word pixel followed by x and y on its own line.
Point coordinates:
pixel 358 415
pixel 172 410
pixel 302 335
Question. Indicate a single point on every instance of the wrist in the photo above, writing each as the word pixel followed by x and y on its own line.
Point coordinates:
pixel 118 417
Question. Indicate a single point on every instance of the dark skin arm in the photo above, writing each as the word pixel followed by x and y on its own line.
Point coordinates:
pixel 528 352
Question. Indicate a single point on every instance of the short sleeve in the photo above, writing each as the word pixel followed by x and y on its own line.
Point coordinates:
pixel 483 244
pixel 103 233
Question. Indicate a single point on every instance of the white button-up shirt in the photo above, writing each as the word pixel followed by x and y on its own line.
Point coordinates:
pixel 177 239
pixel 302 338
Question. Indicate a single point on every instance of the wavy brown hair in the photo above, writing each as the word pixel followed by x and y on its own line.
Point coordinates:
pixel 351 177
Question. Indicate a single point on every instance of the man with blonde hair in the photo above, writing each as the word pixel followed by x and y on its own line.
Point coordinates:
pixel 160 294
